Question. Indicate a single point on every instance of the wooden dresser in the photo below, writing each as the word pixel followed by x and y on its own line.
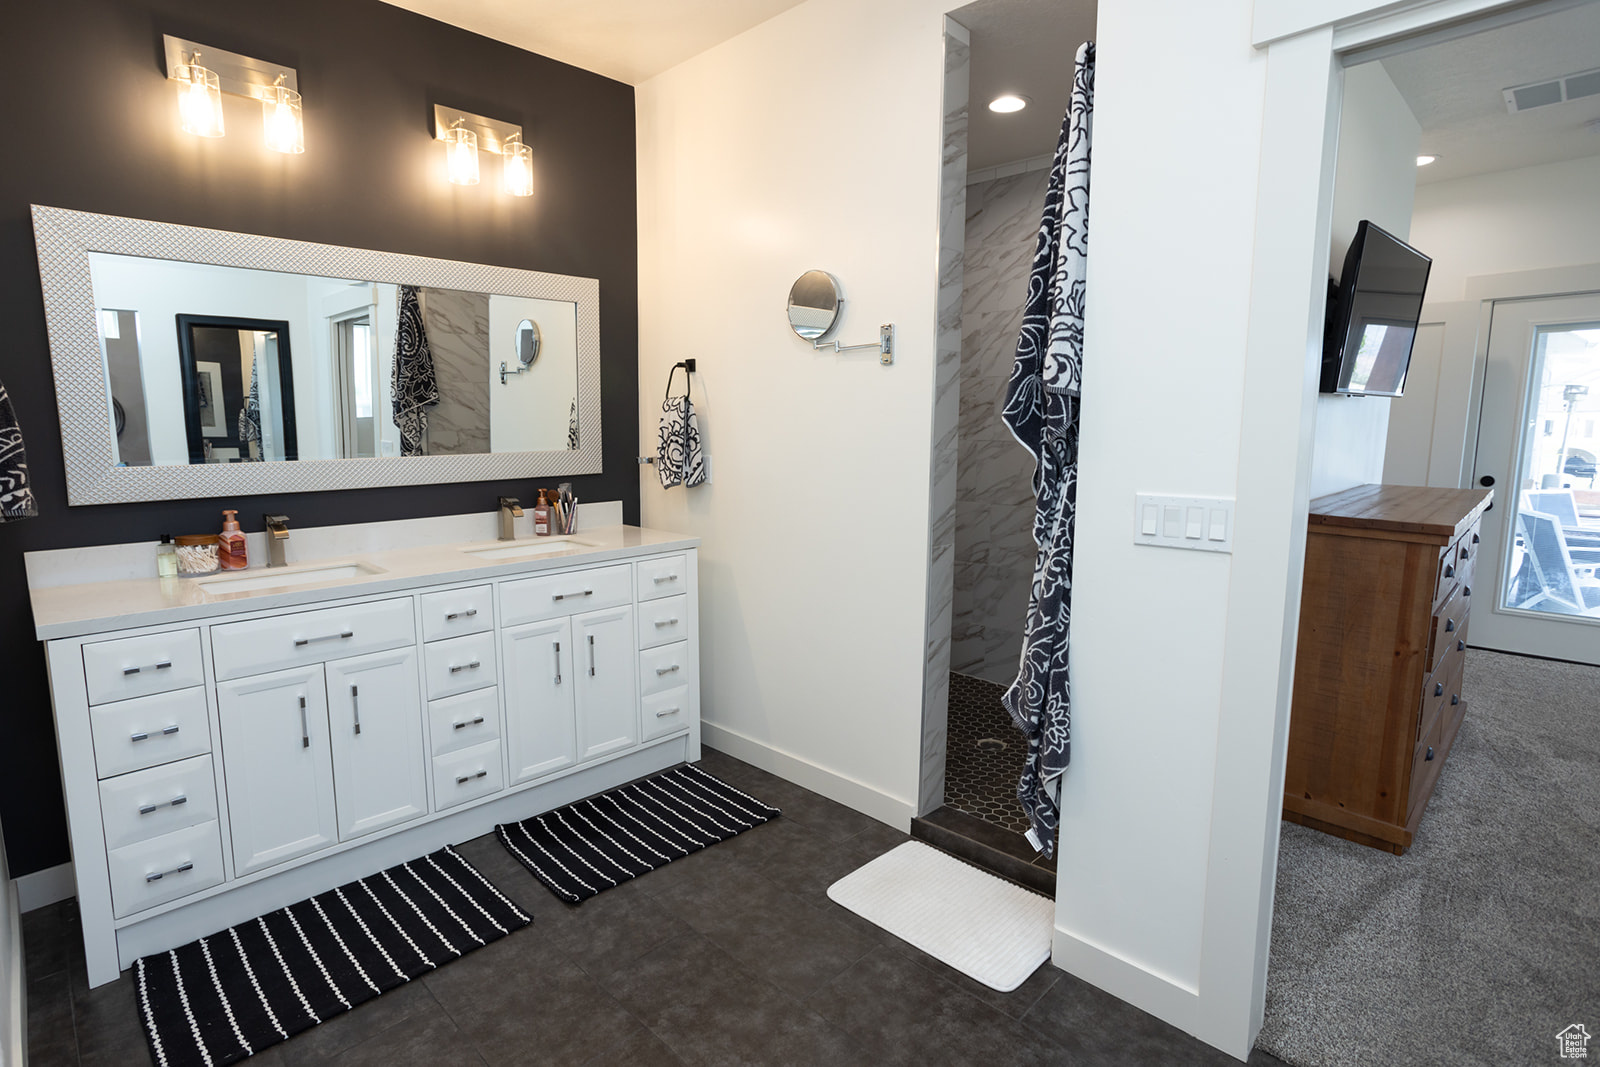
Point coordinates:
pixel 1377 678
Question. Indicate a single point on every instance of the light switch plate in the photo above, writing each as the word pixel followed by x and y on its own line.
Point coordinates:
pixel 1203 523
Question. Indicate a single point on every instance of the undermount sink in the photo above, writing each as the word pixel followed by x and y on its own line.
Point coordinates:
pixel 285 578
pixel 523 549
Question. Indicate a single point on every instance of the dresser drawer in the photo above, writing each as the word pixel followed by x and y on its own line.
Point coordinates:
pixel 137 666
pixel 164 868
pixel 662 622
pixel 136 807
pixel 664 713
pixel 1447 626
pixel 667 576
pixel 240 649
pixel 665 668
pixel 1424 763
pixel 459 665
pixel 457 612
pixel 466 775
pixel 463 721
pixel 145 731
pixel 551 596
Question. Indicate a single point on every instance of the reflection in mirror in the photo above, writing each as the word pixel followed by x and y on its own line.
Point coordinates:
pixel 238 389
pixel 814 304
pixel 527 342
pixel 119 331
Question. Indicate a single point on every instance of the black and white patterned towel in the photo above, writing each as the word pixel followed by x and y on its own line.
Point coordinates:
pixel 16 492
pixel 413 379
pixel 680 459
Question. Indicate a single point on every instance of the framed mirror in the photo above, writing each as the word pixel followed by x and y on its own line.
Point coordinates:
pixel 200 363
pixel 814 304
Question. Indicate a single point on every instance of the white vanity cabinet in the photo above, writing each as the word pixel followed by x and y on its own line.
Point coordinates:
pixel 248 753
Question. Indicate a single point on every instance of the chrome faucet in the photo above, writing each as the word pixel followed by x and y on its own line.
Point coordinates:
pixel 277 540
pixel 510 510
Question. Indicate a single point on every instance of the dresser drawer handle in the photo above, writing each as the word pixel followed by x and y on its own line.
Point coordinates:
pixel 177 801
pixel 463 724
pixel 666 622
pixel 664 578
pixel 1438 689
pixel 1476 539
pixel 1466 590
pixel 569 596
pixel 458 668
pixel 164 665
pixel 454 615
pixel 1461 646
pixel 1455 698
pixel 301 642
pixel 1449 570
pixel 465 778
pixel 166 731
pixel 1449 626
pixel 668 670
pixel 1429 756
pixel 669 711
pixel 156 876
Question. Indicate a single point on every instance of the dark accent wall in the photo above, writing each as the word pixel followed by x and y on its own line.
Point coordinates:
pixel 94 127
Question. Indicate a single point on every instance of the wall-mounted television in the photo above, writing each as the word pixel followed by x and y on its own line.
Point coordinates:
pixel 1372 315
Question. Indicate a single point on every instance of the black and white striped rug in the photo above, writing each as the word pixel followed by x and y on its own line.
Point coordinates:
pixel 228 996
pixel 588 847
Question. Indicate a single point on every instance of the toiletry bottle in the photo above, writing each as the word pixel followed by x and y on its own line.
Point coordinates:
pixel 230 543
pixel 541 516
pixel 167 557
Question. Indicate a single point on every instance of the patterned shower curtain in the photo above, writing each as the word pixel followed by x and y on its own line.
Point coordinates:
pixel 1042 411
pixel 415 385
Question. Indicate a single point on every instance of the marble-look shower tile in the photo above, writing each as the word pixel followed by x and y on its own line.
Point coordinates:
pixel 974 541
pixel 996 472
pixel 457 323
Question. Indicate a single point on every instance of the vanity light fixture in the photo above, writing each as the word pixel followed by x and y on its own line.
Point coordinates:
pixel 1008 103
pixel 461 155
pixel 200 89
pixel 518 167
pixel 281 121
pixel 466 134
pixel 199 98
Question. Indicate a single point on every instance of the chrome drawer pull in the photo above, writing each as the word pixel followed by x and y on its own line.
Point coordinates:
pixel 301 642
pixel 665 578
pixel 142 735
pixel 1449 626
pixel 454 615
pixel 591 655
pixel 666 622
pixel 305 731
pixel 466 723
pixel 558 662
pixel 465 778
pixel 458 668
pixel 180 799
pixel 668 711
pixel 569 596
pixel 165 664
pixel 158 875
pixel 1438 689
pixel 355 707
pixel 667 670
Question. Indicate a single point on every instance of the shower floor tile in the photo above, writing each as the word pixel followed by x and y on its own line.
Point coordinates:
pixel 984 756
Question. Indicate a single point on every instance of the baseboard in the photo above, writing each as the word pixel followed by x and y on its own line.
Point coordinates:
pixel 864 798
pixel 43 888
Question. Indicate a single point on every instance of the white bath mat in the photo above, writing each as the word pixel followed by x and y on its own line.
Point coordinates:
pixel 985 927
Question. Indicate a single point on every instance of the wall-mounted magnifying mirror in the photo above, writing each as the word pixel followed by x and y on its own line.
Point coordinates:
pixel 814 303
pixel 527 342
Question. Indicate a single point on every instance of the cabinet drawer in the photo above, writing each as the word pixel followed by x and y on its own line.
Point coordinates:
pixel 137 666
pixel 463 721
pixel 457 612
pixel 466 775
pixel 164 868
pixel 664 713
pixel 459 665
pixel 667 576
pixel 551 596
pixel 1423 764
pixel 665 668
pixel 262 645
pixel 662 622
pixel 136 807
pixel 1447 627
pixel 145 731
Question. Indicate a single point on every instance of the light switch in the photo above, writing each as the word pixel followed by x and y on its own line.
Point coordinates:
pixel 1171 521
pixel 1219 524
pixel 1196 525
pixel 1194 522
pixel 1147 521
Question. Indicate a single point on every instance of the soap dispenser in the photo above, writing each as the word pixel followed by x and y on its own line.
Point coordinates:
pixel 541 515
pixel 167 557
pixel 231 544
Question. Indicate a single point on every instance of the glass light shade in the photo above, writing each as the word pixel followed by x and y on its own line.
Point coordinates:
pixel 518 168
pixel 461 156
pixel 281 122
pixel 200 101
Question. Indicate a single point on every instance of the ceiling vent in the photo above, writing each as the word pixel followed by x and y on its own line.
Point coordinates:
pixel 1571 87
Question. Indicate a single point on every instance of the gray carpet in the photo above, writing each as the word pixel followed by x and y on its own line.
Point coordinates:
pixel 1481 943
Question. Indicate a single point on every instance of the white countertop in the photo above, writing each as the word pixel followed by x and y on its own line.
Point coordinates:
pixel 67 610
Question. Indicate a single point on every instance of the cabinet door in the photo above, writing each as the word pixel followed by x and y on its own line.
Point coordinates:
pixel 607 695
pixel 275 759
pixel 375 721
pixel 541 734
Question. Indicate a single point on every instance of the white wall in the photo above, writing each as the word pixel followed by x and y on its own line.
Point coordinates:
pixel 530 412
pixel 1376 180
pixel 13 1024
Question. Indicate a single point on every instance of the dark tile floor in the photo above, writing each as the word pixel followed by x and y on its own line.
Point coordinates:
pixel 985 754
pixel 734 955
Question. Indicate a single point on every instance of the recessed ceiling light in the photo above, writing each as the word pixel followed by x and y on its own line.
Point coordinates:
pixel 1008 103
pixel 1423 161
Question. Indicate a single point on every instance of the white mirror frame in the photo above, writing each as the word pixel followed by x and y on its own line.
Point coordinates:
pixel 83 396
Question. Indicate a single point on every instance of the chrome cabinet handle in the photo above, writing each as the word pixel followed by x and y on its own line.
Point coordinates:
pixel 355 707
pixel 301 642
pixel 558 662
pixel 591 655
pixel 164 665
pixel 305 730
pixel 458 668
pixel 665 578
pixel 668 670
pixel 144 735
pixel 462 725
pixel 669 711
pixel 666 622
pixel 465 778
pixel 156 876
pixel 569 596
pixel 177 801
pixel 454 615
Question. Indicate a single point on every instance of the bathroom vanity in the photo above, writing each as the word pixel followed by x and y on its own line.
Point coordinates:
pixel 230 745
